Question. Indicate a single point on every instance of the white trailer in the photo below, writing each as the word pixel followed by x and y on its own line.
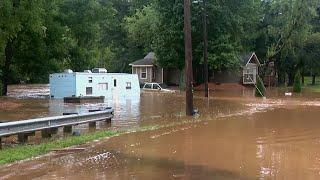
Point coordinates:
pixel 101 83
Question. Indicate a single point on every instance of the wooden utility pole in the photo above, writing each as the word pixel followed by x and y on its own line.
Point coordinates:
pixel 205 49
pixel 188 58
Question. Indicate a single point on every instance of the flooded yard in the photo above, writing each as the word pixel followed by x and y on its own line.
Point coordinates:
pixel 236 136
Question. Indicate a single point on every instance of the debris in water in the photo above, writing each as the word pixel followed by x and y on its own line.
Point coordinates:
pixel 288 94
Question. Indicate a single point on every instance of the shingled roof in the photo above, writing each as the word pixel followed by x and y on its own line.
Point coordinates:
pixel 148 60
pixel 247 57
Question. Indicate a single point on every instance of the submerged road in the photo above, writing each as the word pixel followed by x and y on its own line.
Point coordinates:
pixel 265 145
pixel 233 138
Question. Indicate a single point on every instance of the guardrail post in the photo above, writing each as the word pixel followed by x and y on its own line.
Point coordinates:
pixel 22 138
pixel 108 120
pixel 54 130
pixel 47 133
pixel 67 129
pixel 0 142
pixel 92 125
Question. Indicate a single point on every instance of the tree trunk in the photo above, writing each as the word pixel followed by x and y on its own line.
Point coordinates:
pixel 6 67
pixel 290 79
pixel 313 79
pixel 302 78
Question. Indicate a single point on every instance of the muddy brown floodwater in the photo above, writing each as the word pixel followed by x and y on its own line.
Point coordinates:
pixel 235 137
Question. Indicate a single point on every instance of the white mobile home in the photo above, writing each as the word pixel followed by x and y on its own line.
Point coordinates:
pixel 87 83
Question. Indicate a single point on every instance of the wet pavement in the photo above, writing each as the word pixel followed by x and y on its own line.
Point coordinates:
pixel 236 136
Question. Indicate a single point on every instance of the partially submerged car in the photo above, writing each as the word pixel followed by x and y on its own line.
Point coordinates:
pixel 155 87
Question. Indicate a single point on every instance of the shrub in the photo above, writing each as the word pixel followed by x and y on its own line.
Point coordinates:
pixel 297 87
pixel 260 89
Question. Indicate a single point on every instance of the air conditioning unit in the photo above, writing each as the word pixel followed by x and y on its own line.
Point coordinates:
pixel 99 70
pixel 69 71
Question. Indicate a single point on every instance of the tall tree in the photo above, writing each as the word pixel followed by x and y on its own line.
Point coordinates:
pixel 16 17
pixel 142 27
pixel 285 25
pixel 85 20
pixel 312 56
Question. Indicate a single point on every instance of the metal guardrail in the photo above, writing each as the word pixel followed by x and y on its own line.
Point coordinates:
pixel 27 126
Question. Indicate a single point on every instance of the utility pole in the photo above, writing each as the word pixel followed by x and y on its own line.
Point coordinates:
pixel 188 58
pixel 205 49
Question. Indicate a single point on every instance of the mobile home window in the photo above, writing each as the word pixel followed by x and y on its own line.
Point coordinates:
pixel 143 74
pixel 88 90
pixel 90 79
pixel 128 85
pixel 103 86
pixel 115 83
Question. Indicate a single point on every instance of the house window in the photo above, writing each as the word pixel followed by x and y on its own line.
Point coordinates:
pixel 90 79
pixel 128 85
pixel 103 86
pixel 88 90
pixel 143 73
pixel 114 83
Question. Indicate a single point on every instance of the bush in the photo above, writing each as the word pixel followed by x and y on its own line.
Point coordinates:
pixel 260 89
pixel 297 87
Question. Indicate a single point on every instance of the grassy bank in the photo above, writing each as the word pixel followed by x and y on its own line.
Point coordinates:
pixel 22 152
pixel 312 88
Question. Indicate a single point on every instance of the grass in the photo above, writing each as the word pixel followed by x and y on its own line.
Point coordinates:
pixel 22 152
pixel 312 88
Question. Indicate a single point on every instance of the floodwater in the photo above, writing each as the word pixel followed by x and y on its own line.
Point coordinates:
pixel 235 137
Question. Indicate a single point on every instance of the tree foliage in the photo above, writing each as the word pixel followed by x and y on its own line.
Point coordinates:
pixel 142 27
pixel 297 87
pixel 312 54
pixel 38 37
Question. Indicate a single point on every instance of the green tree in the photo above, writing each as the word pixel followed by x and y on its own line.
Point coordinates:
pixel 284 28
pixel 142 27
pixel 297 87
pixel 16 18
pixel 228 35
pixel 312 56
pixel 169 42
pixel 85 19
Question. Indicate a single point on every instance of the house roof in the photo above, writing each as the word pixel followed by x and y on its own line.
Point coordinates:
pixel 248 57
pixel 148 60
